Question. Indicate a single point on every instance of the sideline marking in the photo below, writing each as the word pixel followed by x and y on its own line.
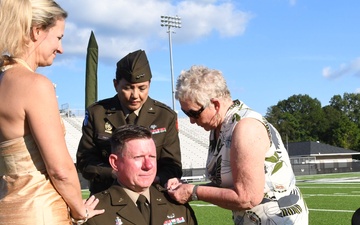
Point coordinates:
pixel 332 210
pixel 321 210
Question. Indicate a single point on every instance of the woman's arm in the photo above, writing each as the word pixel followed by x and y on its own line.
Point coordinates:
pixel 249 145
pixel 42 115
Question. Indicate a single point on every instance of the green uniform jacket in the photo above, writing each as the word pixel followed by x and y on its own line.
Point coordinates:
pixel 103 117
pixel 120 209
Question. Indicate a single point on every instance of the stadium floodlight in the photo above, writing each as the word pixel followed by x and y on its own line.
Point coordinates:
pixel 171 22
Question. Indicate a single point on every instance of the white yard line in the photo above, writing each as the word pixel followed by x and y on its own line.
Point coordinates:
pixel 322 210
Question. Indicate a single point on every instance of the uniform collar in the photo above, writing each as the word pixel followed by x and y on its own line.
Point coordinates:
pixel 135 195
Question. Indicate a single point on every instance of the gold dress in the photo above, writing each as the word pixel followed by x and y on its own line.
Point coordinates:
pixel 27 195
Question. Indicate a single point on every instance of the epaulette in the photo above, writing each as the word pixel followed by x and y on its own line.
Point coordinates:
pixel 164 106
pixel 102 102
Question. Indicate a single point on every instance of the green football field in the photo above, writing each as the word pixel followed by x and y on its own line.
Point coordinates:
pixel 331 199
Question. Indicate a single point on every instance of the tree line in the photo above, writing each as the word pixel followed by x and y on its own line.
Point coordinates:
pixel 302 118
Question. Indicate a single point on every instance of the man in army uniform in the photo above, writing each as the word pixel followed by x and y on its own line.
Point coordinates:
pixel 133 159
pixel 131 105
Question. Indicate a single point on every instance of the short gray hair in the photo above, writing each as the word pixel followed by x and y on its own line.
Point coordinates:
pixel 200 84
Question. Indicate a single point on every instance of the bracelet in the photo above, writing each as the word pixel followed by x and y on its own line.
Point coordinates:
pixel 194 196
pixel 79 222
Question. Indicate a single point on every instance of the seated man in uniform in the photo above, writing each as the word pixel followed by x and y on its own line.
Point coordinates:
pixel 133 199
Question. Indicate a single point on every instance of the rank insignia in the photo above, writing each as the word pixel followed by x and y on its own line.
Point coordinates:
pixel 140 76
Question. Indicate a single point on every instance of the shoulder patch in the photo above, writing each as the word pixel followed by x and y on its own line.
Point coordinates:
pixel 86 119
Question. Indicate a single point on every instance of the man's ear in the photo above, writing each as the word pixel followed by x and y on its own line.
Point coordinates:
pixel 112 160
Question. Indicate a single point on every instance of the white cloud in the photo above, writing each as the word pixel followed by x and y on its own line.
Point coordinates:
pixel 201 19
pixel 121 26
pixel 352 68
pixel 293 2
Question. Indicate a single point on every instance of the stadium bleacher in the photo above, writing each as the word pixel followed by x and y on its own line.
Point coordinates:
pixel 193 141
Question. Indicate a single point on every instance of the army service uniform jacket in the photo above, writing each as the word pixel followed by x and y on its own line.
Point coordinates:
pixel 100 121
pixel 120 209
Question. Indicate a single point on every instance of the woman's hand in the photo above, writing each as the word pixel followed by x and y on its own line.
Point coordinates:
pixel 172 183
pixel 182 193
pixel 90 205
pixel 90 211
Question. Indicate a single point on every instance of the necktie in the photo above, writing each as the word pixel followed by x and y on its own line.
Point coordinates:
pixel 144 208
pixel 131 118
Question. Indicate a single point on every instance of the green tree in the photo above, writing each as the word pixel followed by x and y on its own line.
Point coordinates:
pixel 339 130
pixel 300 118
pixel 343 121
pixel 349 104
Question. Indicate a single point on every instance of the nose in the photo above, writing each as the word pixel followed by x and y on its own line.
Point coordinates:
pixel 60 49
pixel 135 93
pixel 148 163
pixel 192 120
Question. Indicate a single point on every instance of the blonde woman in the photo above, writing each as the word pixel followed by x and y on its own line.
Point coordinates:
pixel 38 180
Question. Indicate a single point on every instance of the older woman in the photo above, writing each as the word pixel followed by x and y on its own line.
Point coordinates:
pixel 38 179
pixel 248 165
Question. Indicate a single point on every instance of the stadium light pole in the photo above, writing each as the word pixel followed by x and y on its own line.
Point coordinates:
pixel 171 22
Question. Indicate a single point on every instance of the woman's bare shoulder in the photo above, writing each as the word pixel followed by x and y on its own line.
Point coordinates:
pixel 35 82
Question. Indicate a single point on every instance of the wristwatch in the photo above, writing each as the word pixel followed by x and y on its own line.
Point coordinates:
pixel 194 196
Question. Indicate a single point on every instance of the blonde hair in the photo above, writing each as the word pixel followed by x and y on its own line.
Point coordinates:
pixel 18 17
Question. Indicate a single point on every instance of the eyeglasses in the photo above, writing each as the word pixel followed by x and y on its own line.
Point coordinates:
pixel 194 114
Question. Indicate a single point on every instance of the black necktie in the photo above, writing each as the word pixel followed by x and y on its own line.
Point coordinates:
pixel 131 118
pixel 144 208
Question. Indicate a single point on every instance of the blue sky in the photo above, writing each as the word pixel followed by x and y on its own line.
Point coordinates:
pixel 268 50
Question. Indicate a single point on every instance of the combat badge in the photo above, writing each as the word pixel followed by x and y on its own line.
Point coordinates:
pixel 118 221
